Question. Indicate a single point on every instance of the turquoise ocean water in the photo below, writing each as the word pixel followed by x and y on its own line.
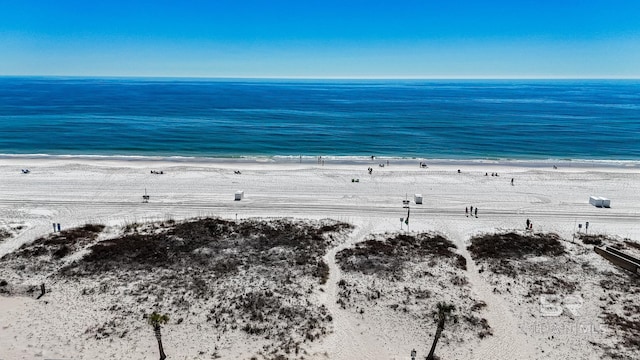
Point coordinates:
pixel 437 119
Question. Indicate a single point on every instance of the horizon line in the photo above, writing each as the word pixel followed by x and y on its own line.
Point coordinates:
pixel 327 77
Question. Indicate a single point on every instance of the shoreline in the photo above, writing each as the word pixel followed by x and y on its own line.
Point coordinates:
pixel 329 159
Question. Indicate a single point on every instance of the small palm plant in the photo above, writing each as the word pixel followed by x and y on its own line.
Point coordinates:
pixel 156 320
pixel 443 313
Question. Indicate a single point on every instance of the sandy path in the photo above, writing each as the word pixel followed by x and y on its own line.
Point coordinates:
pixel 508 340
pixel 345 339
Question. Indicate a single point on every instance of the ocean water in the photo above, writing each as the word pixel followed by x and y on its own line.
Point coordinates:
pixel 443 119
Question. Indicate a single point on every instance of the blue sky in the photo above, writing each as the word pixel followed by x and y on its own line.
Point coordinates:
pixel 318 39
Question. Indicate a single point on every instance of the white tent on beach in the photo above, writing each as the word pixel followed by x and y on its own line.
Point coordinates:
pixel 599 201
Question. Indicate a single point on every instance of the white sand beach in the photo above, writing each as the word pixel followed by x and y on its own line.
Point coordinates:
pixel 73 192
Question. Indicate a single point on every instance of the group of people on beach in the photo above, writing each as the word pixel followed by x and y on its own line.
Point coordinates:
pixel 496 174
pixel 157 172
pixel 472 211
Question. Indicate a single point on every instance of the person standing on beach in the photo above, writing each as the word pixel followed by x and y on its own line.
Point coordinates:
pixel 528 222
pixel 511 181
pixel 476 211
pixel 466 211
pixel 472 210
